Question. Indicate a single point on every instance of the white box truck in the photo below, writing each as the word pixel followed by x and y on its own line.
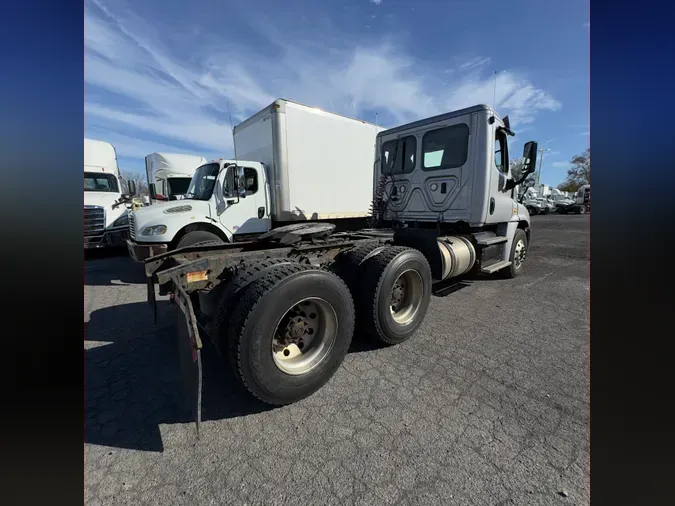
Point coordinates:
pixel 105 218
pixel 282 308
pixel 300 163
pixel 169 174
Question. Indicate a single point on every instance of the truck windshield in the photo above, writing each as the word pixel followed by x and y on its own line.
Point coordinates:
pixel 178 185
pixel 95 182
pixel 203 182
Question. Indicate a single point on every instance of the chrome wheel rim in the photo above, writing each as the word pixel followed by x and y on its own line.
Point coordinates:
pixel 406 296
pixel 519 254
pixel 304 336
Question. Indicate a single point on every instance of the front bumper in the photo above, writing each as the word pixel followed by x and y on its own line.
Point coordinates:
pixel 109 239
pixel 142 251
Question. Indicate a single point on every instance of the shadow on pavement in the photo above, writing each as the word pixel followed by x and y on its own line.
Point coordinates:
pixel 111 266
pixel 133 381
pixel 445 288
pixel 133 378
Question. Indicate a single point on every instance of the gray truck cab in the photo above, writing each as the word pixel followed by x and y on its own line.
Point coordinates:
pixel 451 173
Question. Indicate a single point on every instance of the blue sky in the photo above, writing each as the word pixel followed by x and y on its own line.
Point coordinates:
pixel 159 74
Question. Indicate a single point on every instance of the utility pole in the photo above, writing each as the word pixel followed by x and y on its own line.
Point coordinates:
pixel 541 162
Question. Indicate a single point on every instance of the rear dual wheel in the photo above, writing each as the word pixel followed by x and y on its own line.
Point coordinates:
pixel 394 294
pixel 290 327
pixel 289 332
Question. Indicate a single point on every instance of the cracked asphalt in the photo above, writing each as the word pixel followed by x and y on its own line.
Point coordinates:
pixel 488 404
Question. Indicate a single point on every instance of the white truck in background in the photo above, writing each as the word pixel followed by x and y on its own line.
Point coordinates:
pixel 105 219
pixel 169 174
pixel 300 163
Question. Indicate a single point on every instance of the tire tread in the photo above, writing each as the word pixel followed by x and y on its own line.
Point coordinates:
pixel 251 297
pixel 374 274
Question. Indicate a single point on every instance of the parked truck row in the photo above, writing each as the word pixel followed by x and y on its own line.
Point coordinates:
pixel 106 206
pixel 323 226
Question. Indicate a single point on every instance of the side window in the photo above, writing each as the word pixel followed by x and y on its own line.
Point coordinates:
pixel 399 155
pixel 251 176
pixel 445 148
pixel 160 187
pixel 500 152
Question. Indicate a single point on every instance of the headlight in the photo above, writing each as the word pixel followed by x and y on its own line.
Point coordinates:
pixel 156 230
pixel 122 221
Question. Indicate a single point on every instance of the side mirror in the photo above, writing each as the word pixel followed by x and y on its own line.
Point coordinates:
pixel 131 187
pixel 529 158
pixel 241 182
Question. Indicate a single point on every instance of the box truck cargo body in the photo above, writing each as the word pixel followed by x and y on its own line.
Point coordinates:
pixel 319 164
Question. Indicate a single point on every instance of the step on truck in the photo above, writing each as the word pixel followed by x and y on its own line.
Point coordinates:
pixel 282 308
pixel 299 162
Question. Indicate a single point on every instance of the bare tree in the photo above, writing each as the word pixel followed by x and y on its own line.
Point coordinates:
pixel 139 179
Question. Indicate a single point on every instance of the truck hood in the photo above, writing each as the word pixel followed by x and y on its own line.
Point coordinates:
pixel 174 215
pixel 106 200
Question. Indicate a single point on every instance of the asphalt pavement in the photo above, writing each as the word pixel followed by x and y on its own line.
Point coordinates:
pixel 488 404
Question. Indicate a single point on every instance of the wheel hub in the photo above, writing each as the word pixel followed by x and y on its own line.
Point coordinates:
pixel 520 253
pixel 397 294
pixel 303 336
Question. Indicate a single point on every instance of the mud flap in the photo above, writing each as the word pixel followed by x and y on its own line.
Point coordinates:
pixel 152 300
pixel 189 347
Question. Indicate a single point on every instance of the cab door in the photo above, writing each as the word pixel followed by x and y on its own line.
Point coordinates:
pixel 247 214
pixel 501 204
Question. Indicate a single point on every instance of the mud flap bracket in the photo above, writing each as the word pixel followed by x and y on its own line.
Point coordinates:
pixel 189 347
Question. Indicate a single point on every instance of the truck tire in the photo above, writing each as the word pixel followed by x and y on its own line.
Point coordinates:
pixel 347 264
pixel 228 294
pixel 394 294
pixel 517 255
pixel 580 210
pixel 198 236
pixel 289 332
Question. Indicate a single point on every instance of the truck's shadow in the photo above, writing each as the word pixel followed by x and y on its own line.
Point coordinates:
pixel 114 266
pixel 133 381
pixel 133 378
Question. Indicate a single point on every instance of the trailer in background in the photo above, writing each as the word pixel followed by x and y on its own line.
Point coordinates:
pixel 169 174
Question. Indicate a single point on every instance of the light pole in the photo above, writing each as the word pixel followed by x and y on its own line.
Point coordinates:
pixel 541 162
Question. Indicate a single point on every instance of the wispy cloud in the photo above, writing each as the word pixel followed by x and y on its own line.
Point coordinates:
pixel 586 133
pixel 376 2
pixel 474 63
pixel 560 165
pixel 138 88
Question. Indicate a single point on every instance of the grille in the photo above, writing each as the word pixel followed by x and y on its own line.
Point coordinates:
pixel 132 225
pixel 94 220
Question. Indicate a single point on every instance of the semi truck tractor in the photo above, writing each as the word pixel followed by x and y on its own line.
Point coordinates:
pixel 169 174
pixel 282 307
pixel 105 218
pixel 300 163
